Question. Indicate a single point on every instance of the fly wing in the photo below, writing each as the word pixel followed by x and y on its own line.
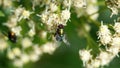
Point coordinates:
pixel 66 41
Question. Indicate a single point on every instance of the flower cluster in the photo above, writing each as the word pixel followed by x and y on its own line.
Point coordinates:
pixel 85 56
pixel 17 15
pixel 109 36
pixel 23 28
pixel 104 34
pixel 52 16
pixel 21 56
pixel 114 6
pixel 90 8
pixel 112 47
pixel 27 51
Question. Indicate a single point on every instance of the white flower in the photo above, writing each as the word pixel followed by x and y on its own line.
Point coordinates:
pixel 104 30
pixel 117 27
pixel 25 58
pixel 18 63
pixel 67 3
pixel 17 30
pixel 25 14
pixel 18 11
pixel 79 3
pixel 34 57
pixel 114 50
pixel 104 34
pixel 85 55
pixel 105 39
pixel 36 53
pixel 96 63
pixel 26 42
pixel 88 65
pixel 10 55
pixel 44 16
pixel 3 44
pixel 53 19
pixel 49 47
pixel 44 34
pixel 105 58
pixel 37 50
pixel 92 9
pixel 12 22
pixel 53 7
pixel 114 5
pixel 16 51
pixel 65 15
pixel 31 33
pixel 114 11
pixel 116 41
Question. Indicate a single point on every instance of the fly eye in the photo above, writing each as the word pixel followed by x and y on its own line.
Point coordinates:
pixel 61 26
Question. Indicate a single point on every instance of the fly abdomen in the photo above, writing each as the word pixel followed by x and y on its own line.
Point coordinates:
pixel 12 37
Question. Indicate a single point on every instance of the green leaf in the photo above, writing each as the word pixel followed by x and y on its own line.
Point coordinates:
pixel 2 14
